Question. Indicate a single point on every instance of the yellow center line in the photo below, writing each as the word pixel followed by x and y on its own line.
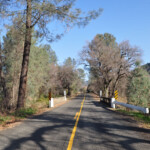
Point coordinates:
pixel 76 115
pixel 75 127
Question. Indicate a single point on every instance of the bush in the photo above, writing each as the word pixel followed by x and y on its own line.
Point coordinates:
pixel 43 101
pixel 4 119
pixel 138 92
pixel 25 112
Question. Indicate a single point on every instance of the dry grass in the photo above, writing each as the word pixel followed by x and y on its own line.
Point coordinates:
pixel 12 119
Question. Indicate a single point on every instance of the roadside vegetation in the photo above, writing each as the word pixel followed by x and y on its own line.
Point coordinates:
pixel 16 116
pixel 31 19
pixel 117 66
pixel 137 116
pixel 44 74
pixel 24 84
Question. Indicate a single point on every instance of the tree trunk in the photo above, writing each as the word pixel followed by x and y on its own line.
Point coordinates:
pixel 116 81
pixel 106 91
pixel 25 62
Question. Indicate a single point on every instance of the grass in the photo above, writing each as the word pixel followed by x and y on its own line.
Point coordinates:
pixel 25 112
pixel 17 115
pixel 4 119
pixel 34 108
pixel 137 115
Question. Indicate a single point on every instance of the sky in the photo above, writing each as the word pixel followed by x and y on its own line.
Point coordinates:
pixel 125 19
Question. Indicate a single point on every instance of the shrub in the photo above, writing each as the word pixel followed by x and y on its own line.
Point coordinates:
pixel 138 92
pixel 25 112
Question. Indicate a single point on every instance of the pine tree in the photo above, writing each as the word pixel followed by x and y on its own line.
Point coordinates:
pixel 12 58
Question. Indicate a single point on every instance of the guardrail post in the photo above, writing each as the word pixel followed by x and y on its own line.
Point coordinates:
pixel 51 103
pixel 100 93
pixel 147 110
pixel 65 95
pixel 113 103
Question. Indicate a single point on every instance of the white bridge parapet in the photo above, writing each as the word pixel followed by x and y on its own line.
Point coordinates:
pixel 142 109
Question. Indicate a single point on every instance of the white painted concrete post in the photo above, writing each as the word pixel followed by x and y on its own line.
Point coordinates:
pixel 113 103
pixel 147 111
pixel 100 93
pixel 65 95
pixel 51 103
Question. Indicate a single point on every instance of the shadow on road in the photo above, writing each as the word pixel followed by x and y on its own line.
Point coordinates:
pixel 106 129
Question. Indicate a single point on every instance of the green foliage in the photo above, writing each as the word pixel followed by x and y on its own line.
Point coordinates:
pixel 51 53
pixel 19 114
pixel 38 70
pixel 138 92
pixel 45 12
pixel 70 77
pixel 25 112
pixel 147 67
pixel 4 119
pixel 107 38
pixel 136 115
pixel 39 14
pixel 70 62
pixel 78 82
pixel 43 100
pixel 43 72
pixel 81 74
pixel 11 64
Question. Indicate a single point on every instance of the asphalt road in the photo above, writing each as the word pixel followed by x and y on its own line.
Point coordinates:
pixel 95 127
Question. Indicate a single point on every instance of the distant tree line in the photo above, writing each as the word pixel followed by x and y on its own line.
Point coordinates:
pixel 116 66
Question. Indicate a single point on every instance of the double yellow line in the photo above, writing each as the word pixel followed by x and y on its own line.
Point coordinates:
pixel 77 116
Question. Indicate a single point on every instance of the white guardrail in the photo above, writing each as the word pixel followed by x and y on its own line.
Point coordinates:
pixel 142 109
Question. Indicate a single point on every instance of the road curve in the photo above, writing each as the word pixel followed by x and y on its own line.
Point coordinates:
pixel 97 128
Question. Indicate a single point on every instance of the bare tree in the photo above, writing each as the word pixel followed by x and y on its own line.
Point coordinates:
pixel 108 61
pixel 66 76
pixel 127 59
